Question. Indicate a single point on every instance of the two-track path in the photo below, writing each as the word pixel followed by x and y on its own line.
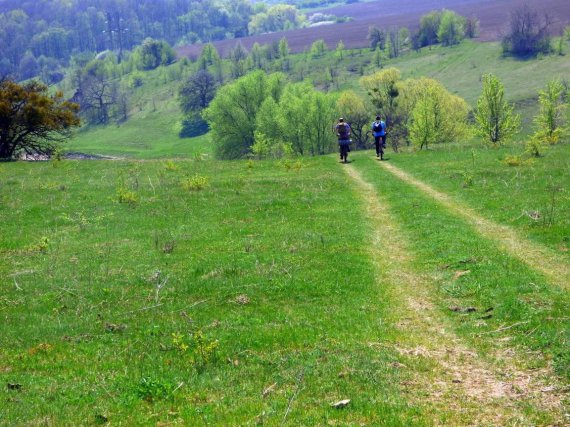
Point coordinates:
pixel 452 382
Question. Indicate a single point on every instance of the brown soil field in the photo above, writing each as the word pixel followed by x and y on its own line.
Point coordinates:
pixel 493 16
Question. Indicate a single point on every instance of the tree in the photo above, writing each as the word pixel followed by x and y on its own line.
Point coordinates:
pixel 383 92
pixel 550 122
pixel 232 113
pixel 527 34
pixel 429 26
pixel 197 92
pixel 352 108
pixel 318 48
pixel 238 56
pixel 376 37
pixel 32 121
pixel 494 116
pixel 451 29
pixel 153 53
pixel 437 116
pixel 471 27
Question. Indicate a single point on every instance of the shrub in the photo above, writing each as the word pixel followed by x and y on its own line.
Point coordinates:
pixel 194 183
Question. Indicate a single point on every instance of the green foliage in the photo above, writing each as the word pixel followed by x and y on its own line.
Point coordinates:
pixel 126 196
pixel 451 28
pixel 438 116
pixel 152 390
pixel 31 120
pixel 550 122
pixel 279 17
pixel 318 48
pixel 232 113
pixel 194 183
pixel 153 53
pixel 495 119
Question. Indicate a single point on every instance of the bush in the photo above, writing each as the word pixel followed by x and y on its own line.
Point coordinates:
pixel 192 126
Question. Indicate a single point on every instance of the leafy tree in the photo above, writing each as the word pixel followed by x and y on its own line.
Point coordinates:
pixel 318 48
pixel 283 48
pixel 232 113
pixel 383 92
pixel 527 34
pixel 153 53
pixel 550 123
pixel 437 116
pixel 429 27
pixel 279 17
pixel 197 92
pixel 494 116
pixel 209 56
pixel 339 51
pixel 451 29
pixel 31 120
pixel 238 57
pixel 353 109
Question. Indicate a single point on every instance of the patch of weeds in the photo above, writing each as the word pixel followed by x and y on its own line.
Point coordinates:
pixel 468 179
pixel 194 183
pixel 201 350
pixel 170 166
pixel 516 160
pixel 79 219
pixel 152 390
pixel 42 348
pixel 41 246
pixel 123 195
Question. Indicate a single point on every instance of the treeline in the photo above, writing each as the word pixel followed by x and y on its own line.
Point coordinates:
pixel 38 36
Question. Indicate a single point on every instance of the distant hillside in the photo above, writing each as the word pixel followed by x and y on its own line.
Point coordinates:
pixel 492 14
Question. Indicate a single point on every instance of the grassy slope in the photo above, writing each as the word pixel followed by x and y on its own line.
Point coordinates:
pixel 309 304
pixel 152 130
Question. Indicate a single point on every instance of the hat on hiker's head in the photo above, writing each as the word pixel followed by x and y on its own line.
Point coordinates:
pixel 341 120
pixel 377 117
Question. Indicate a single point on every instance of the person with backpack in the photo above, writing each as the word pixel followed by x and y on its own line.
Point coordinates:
pixel 343 130
pixel 379 132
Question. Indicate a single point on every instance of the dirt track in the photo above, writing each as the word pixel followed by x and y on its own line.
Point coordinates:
pixel 492 14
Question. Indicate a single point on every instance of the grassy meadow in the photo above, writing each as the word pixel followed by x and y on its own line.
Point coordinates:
pixel 169 288
pixel 234 293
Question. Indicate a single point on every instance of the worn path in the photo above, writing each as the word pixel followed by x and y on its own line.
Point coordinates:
pixel 534 255
pixel 451 382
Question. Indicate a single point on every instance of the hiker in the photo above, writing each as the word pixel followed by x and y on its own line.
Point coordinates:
pixel 379 132
pixel 342 130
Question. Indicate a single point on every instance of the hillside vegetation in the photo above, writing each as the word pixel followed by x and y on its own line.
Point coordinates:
pixel 155 117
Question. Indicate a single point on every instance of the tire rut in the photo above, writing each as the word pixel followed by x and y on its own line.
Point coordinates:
pixel 450 381
pixel 534 255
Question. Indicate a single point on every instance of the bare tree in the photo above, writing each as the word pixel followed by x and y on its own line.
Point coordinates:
pixel 527 33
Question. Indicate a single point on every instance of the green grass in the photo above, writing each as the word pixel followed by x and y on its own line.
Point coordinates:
pixel 531 198
pixel 267 263
pixel 444 244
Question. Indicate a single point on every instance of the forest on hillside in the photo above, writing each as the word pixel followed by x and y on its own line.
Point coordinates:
pixel 40 35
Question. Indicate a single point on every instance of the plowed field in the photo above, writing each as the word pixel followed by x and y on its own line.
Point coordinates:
pixel 492 14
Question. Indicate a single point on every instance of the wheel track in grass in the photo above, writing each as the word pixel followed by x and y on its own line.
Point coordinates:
pixel 534 255
pixel 450 382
